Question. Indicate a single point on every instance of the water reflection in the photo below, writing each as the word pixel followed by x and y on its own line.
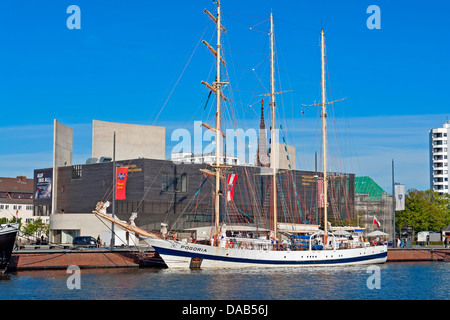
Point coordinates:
pixel 398 281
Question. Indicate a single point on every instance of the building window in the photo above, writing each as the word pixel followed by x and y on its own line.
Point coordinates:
pixel 164 183
pixel 174 183
pixel 183 183
pixel 77 172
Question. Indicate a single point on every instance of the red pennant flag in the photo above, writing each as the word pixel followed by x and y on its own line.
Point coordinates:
pixel 321 193
pixel 121 182
pixel 232 178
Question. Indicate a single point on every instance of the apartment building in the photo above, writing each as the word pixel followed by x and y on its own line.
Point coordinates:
pixel 16 198
pixel 439 156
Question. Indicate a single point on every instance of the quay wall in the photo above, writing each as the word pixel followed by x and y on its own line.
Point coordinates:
pixel 404 255
pixel 62 259
pixel 105 258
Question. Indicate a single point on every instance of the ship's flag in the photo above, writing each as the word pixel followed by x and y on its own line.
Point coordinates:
pixel 121 182
pixel 375 220
pixel 321 193
pixel 232 178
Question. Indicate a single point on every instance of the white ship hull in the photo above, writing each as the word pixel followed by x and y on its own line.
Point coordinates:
pixel 178 254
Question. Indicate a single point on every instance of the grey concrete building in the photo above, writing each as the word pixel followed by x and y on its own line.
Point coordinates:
pixel 132 141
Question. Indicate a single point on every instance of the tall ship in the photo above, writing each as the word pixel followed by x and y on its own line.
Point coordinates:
pixel 271 241
pixel 8 234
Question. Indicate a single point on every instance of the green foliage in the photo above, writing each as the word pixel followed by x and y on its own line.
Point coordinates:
pixel 424 211
pixel 35 227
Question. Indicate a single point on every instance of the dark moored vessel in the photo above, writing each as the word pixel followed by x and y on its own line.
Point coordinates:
pixel 8 235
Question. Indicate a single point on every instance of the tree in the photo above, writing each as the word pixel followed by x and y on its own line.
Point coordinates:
pixel 424 211
pixel 35 228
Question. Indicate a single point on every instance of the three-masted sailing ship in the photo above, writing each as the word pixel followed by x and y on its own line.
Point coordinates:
pixel 318 247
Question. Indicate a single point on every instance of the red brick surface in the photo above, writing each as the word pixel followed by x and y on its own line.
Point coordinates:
pixel 418 255
pixel 88 259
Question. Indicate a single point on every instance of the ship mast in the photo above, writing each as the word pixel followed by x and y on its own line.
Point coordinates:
pixel 217 84
pixel 323 115
pixel 216 87
pixel 324 136
pixel 273 146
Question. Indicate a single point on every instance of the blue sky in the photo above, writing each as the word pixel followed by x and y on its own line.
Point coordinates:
pixel 129 63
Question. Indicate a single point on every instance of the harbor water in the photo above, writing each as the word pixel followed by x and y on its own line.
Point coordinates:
pixel 399 281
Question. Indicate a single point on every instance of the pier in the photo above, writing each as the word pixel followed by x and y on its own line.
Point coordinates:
pixel 422 254
pixel 42 257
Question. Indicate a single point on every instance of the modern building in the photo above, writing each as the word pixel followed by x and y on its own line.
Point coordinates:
pixel 132 141
pixel 209 158
pixel 180 195
pixel 16 199
pixel 177 192
pixel 439 155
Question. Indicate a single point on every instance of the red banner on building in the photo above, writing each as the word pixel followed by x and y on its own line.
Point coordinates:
pixel 232 178
pixel 121 182
pixel 321 193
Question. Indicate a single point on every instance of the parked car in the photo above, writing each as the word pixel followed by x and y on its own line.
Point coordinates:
pixel 86 241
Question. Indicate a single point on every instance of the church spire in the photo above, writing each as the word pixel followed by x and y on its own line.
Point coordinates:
pixel 262 157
